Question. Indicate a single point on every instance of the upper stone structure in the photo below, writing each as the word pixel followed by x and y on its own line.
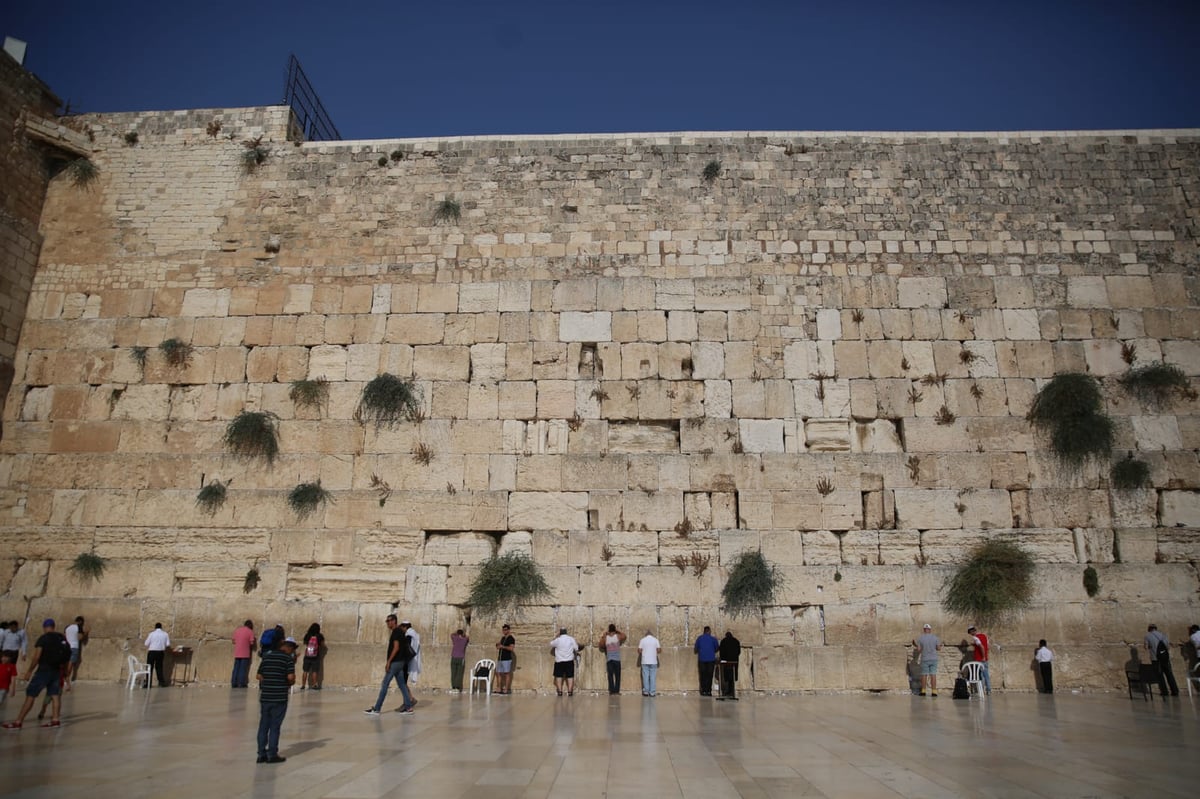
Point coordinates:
pixel 637 357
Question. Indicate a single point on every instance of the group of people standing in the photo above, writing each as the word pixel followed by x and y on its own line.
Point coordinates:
pixel 52 668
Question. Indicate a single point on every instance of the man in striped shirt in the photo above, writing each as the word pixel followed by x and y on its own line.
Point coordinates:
pixel 276 674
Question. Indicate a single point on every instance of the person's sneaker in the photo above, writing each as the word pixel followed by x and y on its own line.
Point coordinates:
pixel 277 759
pixel 371 711
pixel 406 711
pixel 11 725
pixel 261 759
pixel 934 694
pixel 921 694
pixel 414 702
pixel 54 723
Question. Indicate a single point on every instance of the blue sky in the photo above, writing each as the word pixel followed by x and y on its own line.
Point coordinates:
pixel 403 69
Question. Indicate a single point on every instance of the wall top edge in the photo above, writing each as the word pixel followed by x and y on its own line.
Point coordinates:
pixel 690 137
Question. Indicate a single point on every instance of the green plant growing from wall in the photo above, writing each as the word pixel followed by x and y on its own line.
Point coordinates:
pixel 752 583
pixel 211 496
pixel 1070 409
pixel 82 171
pixel 254 153
pixel 383 160
pixel 448 211
pixel 505 584
pixel 1130 473
pixel 995 582
pixel 253 434
pixel 88 567
pixel 387 400
pixel 712 171
pixel 178 353
pixel 253 578
pixel 306 498
pixel 309 393
pixel 1091 581
pixel 131 138
pixel 1154 383
pixel 138 355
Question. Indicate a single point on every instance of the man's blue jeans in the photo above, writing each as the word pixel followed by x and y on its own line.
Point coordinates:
pixel 268 727
pixel 241 673
pixel 650 678
pixel 987 680
pixel 396 672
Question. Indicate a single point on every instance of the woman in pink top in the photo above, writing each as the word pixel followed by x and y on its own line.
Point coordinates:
pixel 243 646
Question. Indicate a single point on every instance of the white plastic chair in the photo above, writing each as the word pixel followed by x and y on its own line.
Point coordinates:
pixel 136 670
pixel 972 672
pixel 490 666
pixel 1193 676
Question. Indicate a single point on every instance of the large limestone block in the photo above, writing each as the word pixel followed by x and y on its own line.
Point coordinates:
pixel 210 579
pixel 425 585
pixel 1178 545
pixel 900 547
pixel 761 435
pixel 40 544
pixel 642 437
pixel 877 435
pixel 925 508
pixel 547 510
pixel 658 510
pixel 722 294
pixel 1068 507
pixel 921 292
pixel 633 548
pixel 1134 507
pixel 181 545
pixel 583 326
pixel 455 549
pixel 438 510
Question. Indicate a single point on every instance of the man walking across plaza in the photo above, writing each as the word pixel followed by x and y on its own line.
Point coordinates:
pixel 50 654
pixel 157 643
pixel 929 646
pixel 564 648
pixel 648 652
pixel 981 648
pixel 706 659
pixel 276 675
pixel 1160 652
pixel 399 652
pixel 505 658
pixel 243 647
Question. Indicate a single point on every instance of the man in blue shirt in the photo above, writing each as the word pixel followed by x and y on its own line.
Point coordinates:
pixel 276 674
pixel 706 653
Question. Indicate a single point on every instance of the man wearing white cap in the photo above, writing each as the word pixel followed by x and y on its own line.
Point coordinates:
pixel 929 645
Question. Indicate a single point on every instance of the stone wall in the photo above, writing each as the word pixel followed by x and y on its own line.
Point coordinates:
pixel 826 353
pixel 24 176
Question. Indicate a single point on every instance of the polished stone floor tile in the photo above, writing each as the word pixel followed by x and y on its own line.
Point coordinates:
pixel 199 742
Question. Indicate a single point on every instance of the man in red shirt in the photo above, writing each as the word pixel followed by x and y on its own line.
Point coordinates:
pixel 243 646
pixel 979 642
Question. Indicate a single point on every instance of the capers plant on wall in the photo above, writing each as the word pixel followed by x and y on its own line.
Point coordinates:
pixel 993 584
pixel 387 400
pixel 254 434
pixel 752 583
pixel 505 584
pixel 1070 409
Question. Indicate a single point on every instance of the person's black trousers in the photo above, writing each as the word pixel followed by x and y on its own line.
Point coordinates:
pixel 156 660
pixel 1166 677
pixel 613 668
pixel 1047 669
pixel 706 677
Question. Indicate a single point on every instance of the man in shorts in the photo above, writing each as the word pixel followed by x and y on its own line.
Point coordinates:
pixel 504 660
pixel 565 648
pixel 50 654
pixel 929 645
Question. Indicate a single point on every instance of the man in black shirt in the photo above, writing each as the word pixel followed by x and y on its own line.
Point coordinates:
pixel 399 652
pixel 729 651
pixel 50 654
pixel 276 674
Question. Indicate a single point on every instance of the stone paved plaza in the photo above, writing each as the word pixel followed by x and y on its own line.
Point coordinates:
pixel 179 743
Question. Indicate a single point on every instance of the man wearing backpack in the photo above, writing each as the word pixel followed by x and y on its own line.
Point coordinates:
pixel 399 653
pixel 1160 652
pixel 50 653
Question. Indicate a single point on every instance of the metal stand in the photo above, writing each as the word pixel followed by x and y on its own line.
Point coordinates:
pixel 728 672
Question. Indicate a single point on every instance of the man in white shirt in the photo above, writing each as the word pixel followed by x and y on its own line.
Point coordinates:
pixel 10 639
pixel 648 651
pixel 77 635
pixel 565 648
pixel 157 643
